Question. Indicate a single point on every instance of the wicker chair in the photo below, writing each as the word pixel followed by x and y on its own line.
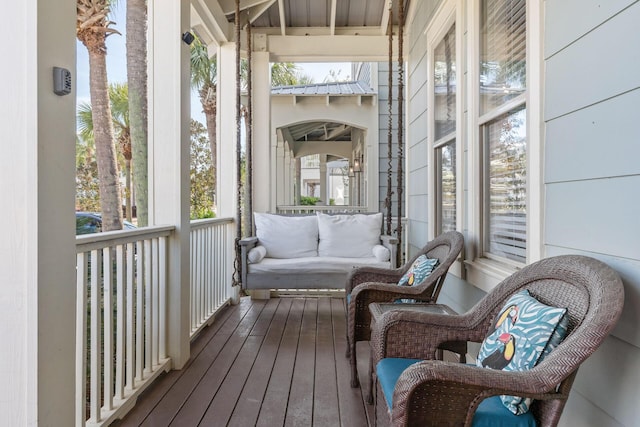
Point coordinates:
pixel 436 393
pixel 368 284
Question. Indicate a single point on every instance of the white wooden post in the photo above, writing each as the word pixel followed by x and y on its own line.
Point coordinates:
pixel 37 250
pixel 324 194
pixel 169 116
pixel 261 126
pixel 227 185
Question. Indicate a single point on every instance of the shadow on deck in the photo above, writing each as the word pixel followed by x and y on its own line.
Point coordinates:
pixel 264 363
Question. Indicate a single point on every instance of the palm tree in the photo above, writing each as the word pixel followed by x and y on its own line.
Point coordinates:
pixel 204 70
pixel 137 81
pixel 119 100
pixel 92 29
pixel 288 74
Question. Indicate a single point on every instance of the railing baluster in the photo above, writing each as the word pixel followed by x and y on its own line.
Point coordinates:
pixel 130 345
pixel 120 322
pixel 155 305
pixel 162 279
pixel 140 310
pixel 96 329
pixel 148 308
pixel 107 313
pixel 81 338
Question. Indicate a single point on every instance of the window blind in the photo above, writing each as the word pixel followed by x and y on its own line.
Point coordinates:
pixel 502 52
pixel 506 186
pixel 445 84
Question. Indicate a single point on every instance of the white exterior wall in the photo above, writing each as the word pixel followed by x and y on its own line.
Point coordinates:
pixel 416 149
pixel 591 175
pixel 37 251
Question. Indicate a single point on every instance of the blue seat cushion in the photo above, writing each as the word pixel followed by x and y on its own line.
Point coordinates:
pixel 490 413
pixel 388 371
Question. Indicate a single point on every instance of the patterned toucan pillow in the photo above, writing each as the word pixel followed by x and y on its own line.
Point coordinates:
pixel 523 332
pixel 419 271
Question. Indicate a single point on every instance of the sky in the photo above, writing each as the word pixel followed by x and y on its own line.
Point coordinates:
pixel 117 73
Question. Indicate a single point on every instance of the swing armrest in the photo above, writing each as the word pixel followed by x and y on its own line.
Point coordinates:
pixel 246 244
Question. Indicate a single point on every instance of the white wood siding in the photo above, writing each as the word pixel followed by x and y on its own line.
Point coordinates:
pixel 592 176
pixel 418 176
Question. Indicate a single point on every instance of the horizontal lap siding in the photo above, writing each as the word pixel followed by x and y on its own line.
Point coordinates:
pixel 592 176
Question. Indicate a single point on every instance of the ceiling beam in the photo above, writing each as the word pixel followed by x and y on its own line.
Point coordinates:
pixel 337 132
pixel 256 11
pixel 328 48
pixel 229 6
pixel 283 21
pixel 214 19
pixel 384 22
pixel 332 24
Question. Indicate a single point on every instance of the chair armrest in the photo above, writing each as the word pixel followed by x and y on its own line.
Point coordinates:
pixel 418 335
pixel 390 243
pixel 465 385
pixel 371 274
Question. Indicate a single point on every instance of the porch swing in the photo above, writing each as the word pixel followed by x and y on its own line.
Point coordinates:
pixel 326 275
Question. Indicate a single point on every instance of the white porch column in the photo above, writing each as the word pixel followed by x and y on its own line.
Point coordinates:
pixel 226 180
pixel 37 249
pixel 169 116
pixel 261 128
pixel 298 181
pixel 287 175
pixel 323 180
pixel 226 188
pixel 279 171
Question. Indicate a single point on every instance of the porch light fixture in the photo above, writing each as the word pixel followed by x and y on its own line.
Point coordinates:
pixel 356 165
pixel 351 172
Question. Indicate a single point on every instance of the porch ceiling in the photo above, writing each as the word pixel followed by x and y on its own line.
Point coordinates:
pixel 319 30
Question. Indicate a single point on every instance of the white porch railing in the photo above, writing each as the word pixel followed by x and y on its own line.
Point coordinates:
pixel 120 324
pixel 121 309
pixel 212 255
pixel 305 209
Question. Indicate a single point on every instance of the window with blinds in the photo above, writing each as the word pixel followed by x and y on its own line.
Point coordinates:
pixel 506 186
pixel 502 52
pixel 503 136
pixel 444 91
pixel 446 187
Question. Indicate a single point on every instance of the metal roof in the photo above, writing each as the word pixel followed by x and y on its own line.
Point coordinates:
pixel 324 89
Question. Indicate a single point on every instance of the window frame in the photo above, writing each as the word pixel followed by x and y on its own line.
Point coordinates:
pixel 449 14
pixel 479 268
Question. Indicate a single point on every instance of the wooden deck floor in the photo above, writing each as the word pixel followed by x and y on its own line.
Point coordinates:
pixel 270 363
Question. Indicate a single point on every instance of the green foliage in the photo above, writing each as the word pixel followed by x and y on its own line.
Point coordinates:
pixel 309 200
pixel 87 190
pixel 201 176
pixel 288 74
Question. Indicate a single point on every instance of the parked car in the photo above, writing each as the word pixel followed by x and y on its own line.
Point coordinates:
pixel 91 222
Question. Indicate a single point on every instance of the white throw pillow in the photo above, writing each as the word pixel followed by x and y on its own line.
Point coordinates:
pixel 352 236
pixel 287 236
pixel 256 254
pixel 381 253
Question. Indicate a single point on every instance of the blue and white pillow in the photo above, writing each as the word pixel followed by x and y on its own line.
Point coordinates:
pixel 419 271
pixel 524 331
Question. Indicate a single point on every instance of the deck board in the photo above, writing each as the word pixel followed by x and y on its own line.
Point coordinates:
pixel 265 363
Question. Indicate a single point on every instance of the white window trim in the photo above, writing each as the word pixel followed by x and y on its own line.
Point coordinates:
pixel 482 271
pixel 449 13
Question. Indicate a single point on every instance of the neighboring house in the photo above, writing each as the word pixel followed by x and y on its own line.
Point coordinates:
pixel 567 121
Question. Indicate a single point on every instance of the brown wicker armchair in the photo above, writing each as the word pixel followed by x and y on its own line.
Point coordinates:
pixel 436 393
pixel 368 284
